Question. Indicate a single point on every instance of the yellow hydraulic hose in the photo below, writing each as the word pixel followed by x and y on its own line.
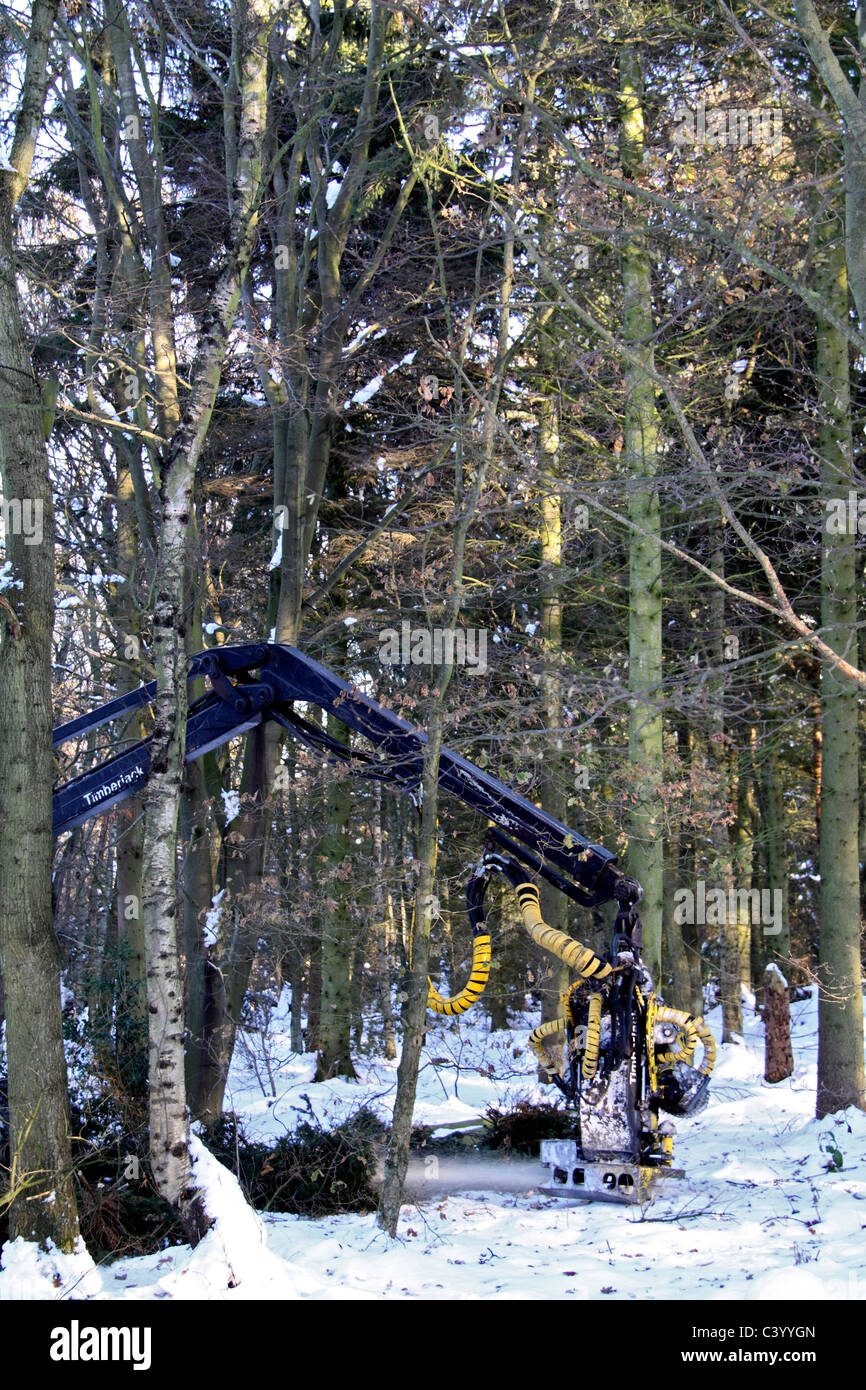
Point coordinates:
pixel 546 1030
pixel 580 958
pixel 473 990
pixel 694 1031
pixel 593 1038
pixel 652 1008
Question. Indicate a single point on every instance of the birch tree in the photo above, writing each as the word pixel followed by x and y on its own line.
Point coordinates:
pixel 168 1114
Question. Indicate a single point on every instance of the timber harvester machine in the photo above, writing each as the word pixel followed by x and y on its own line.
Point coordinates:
pixel 627 1061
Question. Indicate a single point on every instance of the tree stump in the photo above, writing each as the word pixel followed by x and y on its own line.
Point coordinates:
pixel 778 1054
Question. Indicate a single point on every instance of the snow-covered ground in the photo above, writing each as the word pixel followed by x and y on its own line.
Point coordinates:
pixel 758 1216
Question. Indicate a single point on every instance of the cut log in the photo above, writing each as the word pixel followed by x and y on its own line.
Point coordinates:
pixel 778 1054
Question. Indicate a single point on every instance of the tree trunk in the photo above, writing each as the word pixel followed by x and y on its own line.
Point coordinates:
pixel 778 945
pixel 466 499
pixel 689 742
pixel 43 1206
pixel 169 1131
pixel 675 965
pixel 289 863
pixel 334 1057
pixel 778 1055
pixel 554 909
pixel 743 854
pixel 314 992
pixel 43 1200
pixel 646 740
pixel 729 932
pixel 197 824
pixel 415 1007
pixel 130 1013
pixel 840 1010
pixel 384 918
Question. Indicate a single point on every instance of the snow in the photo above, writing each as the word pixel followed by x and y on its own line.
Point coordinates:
pixel 212 918
pixel 759 1215
pixel 6 577
pixel 366 393
pixel 277 557
pixel 773 967
pixel 363 332
pixel 231 804
pixel 26 1272
pixel 234 1254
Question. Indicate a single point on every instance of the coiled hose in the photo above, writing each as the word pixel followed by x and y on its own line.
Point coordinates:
pixel 472 990
pixel 580 958
pixel 694 1030
pixel 546 1030
pixel 593 1038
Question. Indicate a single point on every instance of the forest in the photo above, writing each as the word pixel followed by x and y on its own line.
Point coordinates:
pixel 506 359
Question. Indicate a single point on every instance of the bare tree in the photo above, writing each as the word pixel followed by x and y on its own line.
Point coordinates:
pixel 43 1207
pixel 186 424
